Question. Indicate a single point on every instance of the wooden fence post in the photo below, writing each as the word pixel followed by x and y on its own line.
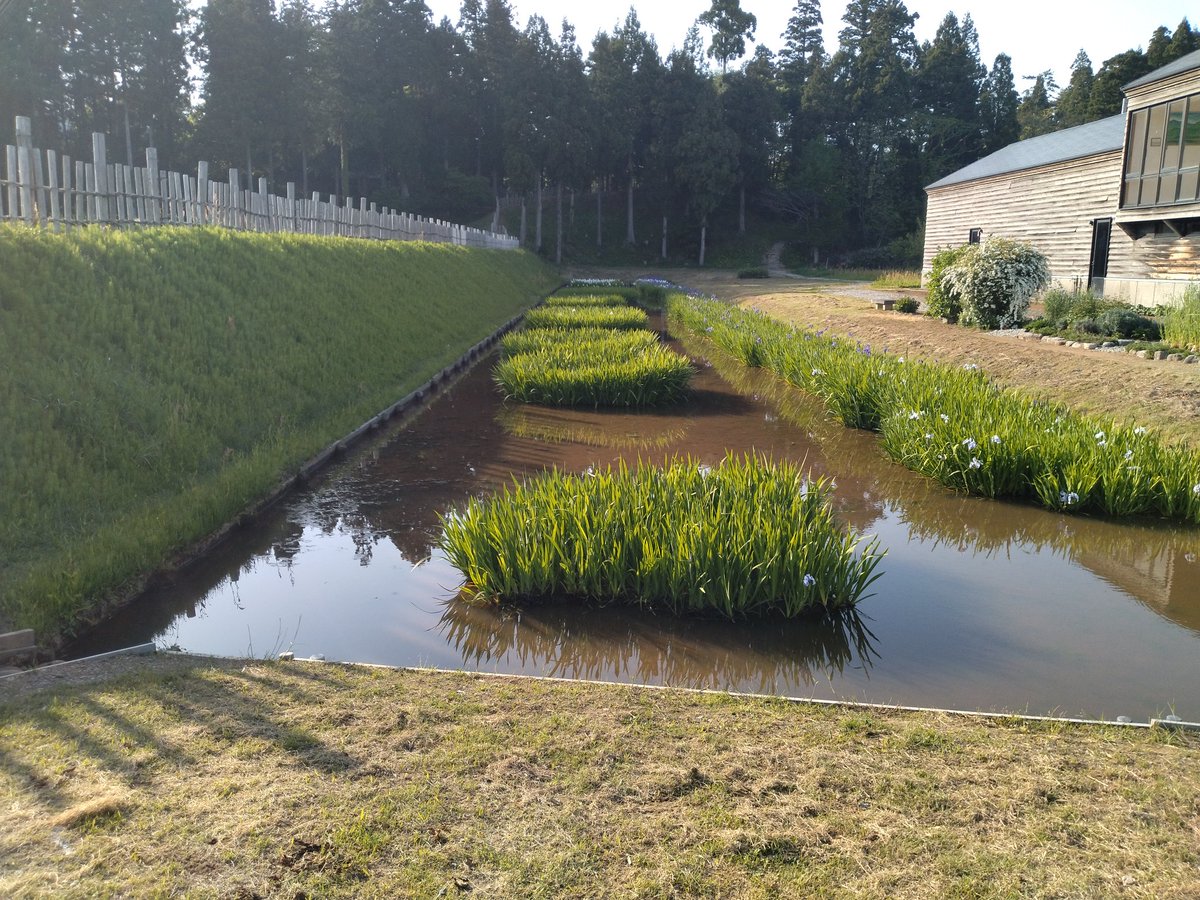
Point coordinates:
pixel 25 167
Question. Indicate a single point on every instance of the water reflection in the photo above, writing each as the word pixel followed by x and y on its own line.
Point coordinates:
pixel 1155 563
pixel 983 604
pixel 570 640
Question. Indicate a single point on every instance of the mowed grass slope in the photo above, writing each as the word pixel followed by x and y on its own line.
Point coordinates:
pixel 155 383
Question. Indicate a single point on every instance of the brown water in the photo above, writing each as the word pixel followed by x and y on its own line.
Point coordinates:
pixel 982 605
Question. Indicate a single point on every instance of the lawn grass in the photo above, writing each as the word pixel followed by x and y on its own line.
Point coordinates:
pixel 746 537
pixel 897 279
pixel 157 382
pixel 236 778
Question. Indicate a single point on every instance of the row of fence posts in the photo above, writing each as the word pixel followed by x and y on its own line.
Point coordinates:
pixel 41 188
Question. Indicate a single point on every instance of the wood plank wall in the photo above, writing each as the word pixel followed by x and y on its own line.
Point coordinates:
pixel 1050 207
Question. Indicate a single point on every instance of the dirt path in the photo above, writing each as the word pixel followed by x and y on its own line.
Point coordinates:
pixel 1161 395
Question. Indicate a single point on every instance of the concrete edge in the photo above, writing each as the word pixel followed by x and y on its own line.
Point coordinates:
pixel 844 704
pixel 149 649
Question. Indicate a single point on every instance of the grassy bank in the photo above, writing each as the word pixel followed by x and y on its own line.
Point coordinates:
pixel 289 780
pixel 155 383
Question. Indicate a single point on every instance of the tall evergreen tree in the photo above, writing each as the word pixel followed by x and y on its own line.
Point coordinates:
pixel 872 101
pixel 1158 51
pixel 803 53
pixel 750 103
pixel 949 79
pixel 1074 102
pixel 240 48
pixel 998 102
pixel 731 26
pixel 1115 72
pixel 1036 112
pixel 1184 40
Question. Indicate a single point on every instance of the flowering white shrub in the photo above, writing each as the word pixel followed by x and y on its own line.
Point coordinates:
pixel 995 281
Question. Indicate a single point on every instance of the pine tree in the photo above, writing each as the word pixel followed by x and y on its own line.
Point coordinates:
pixel 731 26
pixel 1158 51
pixel 1036 112
pixel 949 79
pixel 998 102
pixel 1114 73
pixel 1074 102
pixel 1183 41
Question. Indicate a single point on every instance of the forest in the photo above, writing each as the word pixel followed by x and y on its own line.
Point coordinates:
pixel 460 120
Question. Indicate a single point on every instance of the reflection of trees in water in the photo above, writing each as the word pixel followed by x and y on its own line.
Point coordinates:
pixel 572 640
pixel 1153 563
pixel 559 427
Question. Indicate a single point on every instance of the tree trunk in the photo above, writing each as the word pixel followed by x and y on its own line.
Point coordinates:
pixel 522 220
pixel 742 210
pixel 537 217
pixel 630 238
pixel 599 215
pixel 703 236
pixel 664 242
pixel 572 215
pixel 558 227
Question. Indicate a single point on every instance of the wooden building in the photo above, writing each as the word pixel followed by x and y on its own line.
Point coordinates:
pixel 1114 204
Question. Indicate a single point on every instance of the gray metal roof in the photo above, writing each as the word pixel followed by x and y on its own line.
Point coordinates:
pixel 1101 136
pixel 1185 63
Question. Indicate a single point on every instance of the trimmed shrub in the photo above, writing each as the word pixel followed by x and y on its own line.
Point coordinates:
pixel 942 300
pixel 907 305
pixel 1126 323
pixel 757 272
pixel 996 280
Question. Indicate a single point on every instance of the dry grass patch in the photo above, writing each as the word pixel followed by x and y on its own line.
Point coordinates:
pixel 288 780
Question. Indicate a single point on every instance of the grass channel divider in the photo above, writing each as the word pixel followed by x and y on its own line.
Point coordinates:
pixel 590 349
pixel 955 425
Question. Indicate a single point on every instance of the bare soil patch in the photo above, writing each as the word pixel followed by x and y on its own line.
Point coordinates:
pixel 192 777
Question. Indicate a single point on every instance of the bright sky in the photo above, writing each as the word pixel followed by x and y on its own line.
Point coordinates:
pixel 1037 34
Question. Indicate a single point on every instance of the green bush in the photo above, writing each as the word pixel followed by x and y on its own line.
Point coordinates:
pixel 995 281
pixel 1126 323
pixel 1181 324
pixel 756 272
pixel 942 300
pixel 744 537
pixel 907 305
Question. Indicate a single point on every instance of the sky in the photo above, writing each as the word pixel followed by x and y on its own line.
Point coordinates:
pixel 1037 34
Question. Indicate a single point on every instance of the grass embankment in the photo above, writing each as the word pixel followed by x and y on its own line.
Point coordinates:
pixel 746 537
pixel 155 383
pixel 218 780
pixel 955 425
